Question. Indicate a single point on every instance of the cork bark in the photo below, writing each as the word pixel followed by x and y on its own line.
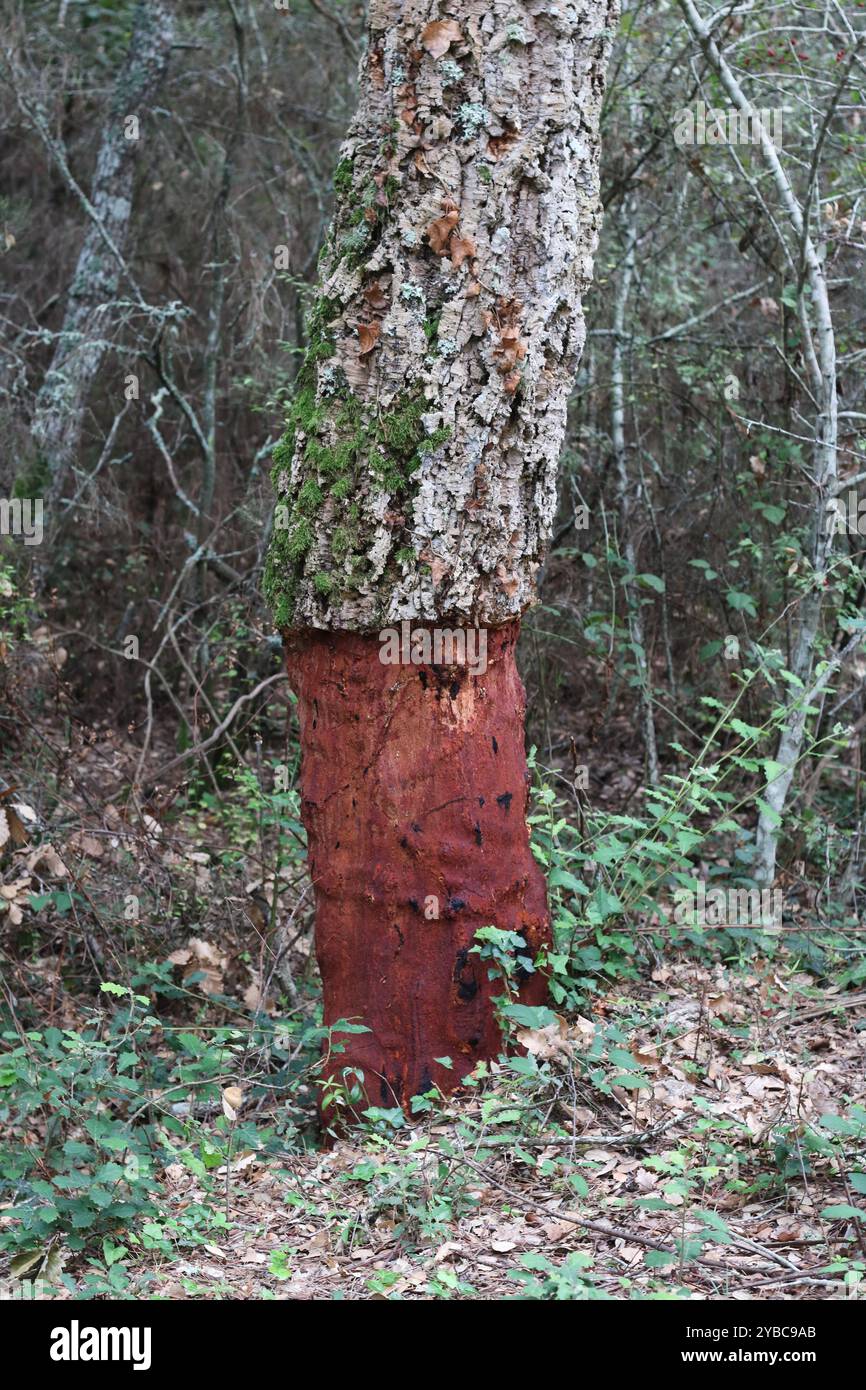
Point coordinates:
pixel 417 478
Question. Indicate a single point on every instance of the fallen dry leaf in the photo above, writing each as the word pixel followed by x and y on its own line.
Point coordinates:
pixel 87 844
pixel 46 857
pixel 205 961
pixel 16 895
pixel 256 1000
pixel 547 1042
pixel 450 1247
pixel 11 827
pixel 232 1099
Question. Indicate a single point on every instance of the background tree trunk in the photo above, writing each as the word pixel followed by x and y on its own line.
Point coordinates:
pixel 820 357
pixel 417 481
pixel 58 417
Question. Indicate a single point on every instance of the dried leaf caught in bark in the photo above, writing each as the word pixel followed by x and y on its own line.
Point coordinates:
pixel 509 350
pixel 368 336
pixel 460 248
pixel 510 347
pixel 498 145
pixel 375 69
pixel 375 296
pixel 439 232
pixel 506 583
pixel 438 570
pixel 439 35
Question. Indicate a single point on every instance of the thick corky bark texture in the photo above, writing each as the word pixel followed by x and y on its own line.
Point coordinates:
pixel 417 477
pixel 414 799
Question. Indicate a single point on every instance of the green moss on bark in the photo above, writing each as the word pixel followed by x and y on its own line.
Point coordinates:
pixel 341 449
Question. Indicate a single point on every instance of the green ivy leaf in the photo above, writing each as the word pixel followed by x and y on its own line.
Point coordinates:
pixel 659 1259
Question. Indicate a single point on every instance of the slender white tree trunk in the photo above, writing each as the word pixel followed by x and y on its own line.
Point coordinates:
pixel 626 485
pixel 58 417
pixel 819 348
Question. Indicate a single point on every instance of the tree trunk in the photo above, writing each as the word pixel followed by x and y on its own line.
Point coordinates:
pixel 58 417
pixel 416 485
pixel 625 487
pixel 414 799
pixel 819 351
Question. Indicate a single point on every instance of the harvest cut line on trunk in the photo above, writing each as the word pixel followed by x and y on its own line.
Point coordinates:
pixel 417 482
pixel 414 793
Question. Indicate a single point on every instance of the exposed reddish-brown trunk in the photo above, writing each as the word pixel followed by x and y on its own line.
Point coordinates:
pixel 417 481
pixel 414 785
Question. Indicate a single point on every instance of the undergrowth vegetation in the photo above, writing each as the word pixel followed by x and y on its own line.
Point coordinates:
pixel 162 1042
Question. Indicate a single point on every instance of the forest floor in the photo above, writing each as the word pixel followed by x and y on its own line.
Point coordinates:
pixel 695 1130
pixel 770 1069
